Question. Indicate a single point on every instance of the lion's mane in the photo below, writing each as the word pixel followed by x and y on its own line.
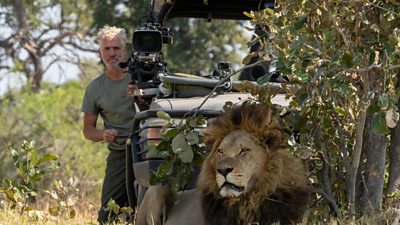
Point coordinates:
pixel 280 193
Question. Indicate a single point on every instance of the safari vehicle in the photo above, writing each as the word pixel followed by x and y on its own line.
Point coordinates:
pixel 149 72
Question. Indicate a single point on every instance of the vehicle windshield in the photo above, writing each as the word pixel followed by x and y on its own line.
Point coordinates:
pixel 211 42
pixel 214 32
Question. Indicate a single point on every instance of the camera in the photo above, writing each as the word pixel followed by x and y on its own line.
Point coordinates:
pixel 148 39
pixel 146 60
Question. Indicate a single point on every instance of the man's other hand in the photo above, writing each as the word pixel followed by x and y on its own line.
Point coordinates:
pixel 109 135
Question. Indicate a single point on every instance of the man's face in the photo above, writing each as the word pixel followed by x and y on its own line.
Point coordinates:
pixel 112 52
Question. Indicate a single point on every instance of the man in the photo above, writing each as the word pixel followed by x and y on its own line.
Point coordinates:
pixel 107 96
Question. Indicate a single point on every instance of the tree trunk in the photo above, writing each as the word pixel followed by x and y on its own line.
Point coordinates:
pixel 375 148
pixel 394 154
pixel 351 179
pixel 394 157
pixel 29 44
pixel 38 73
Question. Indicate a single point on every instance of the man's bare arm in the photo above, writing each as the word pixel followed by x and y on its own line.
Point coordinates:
pixel 92 133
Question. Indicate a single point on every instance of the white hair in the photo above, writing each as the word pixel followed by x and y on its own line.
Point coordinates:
pixel 108 31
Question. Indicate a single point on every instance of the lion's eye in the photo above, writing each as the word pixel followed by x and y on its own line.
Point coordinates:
pixel 244 151
pixel 220 151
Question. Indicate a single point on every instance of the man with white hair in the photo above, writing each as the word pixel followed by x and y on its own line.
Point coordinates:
pixel 107 96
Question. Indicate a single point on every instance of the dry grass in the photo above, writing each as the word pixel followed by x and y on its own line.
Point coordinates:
pixel 11 217
pixel 85 214
pixel 89 217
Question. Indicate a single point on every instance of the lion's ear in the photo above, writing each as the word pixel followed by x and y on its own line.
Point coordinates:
pixel 209 142
pixel 273 138
pixel 209 138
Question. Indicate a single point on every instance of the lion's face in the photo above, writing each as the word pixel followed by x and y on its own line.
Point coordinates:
pixel 238 163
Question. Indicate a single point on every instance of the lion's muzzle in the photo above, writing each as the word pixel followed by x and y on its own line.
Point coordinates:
pixel 227 181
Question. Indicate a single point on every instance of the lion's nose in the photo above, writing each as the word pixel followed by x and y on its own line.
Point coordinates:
pixel 225 171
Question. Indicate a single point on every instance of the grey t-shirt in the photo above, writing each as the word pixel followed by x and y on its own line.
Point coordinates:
pixel 110 99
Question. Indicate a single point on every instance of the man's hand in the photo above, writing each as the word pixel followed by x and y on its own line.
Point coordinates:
pixel 131 89
pixel 109 135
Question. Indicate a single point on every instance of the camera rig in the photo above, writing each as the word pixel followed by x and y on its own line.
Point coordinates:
pixel 146 60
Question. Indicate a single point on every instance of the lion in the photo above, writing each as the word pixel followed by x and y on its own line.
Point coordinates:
pixel 249 177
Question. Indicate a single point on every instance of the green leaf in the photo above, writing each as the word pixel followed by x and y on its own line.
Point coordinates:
pixel 33 193
pixel 187 174
pixel 164 154
pixel 21 169
pixel 187 155
pixel 127 210
pixel 152 152
pixel 248 57
pixel 47 157
pixel 300 24
pixel 374 107
pixel 34 158
pixel 10 195
pixel 170 134
pixel 201 120
pixel 264 79
pixel 163 115
pixel 327 35
pixel 297 121
pixel 340 111
pixel 347 60
pixel 192 122
pixel 379 123
pixel 15 156
pixel 165 170
pixel 49 168
pixel 383 101
pixel 269 11
pixel 248 15
pixel 192 138
pixel 112 206
pixel 179 144
pixel 371 57
pixel 37 177
pixel 154 178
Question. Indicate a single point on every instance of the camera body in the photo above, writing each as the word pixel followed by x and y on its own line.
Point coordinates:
pixel 150 37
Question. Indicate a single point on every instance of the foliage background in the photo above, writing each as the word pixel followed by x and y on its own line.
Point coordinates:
pixel 52 118
pixel 343 57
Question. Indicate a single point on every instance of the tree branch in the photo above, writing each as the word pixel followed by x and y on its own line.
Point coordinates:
pixel 371 67
pixel 52 42
pixel 57 58
pixel 329 199
pixel 388 10
pixel 86 49
pixel 5 43
pixel 4 67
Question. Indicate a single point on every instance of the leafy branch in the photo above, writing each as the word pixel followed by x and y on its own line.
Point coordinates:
pixel 182 149
pixel 31 166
